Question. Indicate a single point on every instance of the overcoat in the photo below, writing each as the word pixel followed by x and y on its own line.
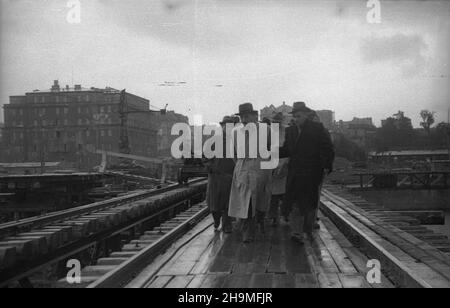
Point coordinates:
pixel 251 185
pixel 220 177
pixel 310 151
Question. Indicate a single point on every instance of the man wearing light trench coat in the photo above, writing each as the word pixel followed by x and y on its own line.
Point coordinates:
pixel 251 187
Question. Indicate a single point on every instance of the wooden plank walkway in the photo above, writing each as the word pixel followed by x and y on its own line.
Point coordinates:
pixel 409 260
pixel 216 260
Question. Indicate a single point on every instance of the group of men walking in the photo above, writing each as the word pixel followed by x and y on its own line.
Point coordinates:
pixel 240 189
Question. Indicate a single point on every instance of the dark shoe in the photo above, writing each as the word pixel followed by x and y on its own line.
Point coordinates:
pixel 310 236
pixel 227 229
pixel 316 226
pixel 249 231
pixel 298 238
pixel 216 217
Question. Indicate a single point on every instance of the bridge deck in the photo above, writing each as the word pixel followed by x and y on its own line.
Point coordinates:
pixel 215 260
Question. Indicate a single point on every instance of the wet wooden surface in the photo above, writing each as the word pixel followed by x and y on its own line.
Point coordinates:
pixel 216 260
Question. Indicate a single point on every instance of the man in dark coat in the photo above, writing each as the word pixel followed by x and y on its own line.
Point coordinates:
pixel 310 149
pixel 220 177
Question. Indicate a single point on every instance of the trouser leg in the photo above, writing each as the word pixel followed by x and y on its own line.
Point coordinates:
pixel 274 206
pixel 309 221
pixel 216 215
pixel 297 221
pixel 249 226
pixel 260 216
pixel 226 222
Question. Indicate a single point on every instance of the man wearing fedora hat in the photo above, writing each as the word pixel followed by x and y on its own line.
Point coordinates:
pixel 250 190
pixel 220 175
pixel 310 150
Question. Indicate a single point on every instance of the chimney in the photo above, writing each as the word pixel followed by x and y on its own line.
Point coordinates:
pixel 55 87
pixel 78 87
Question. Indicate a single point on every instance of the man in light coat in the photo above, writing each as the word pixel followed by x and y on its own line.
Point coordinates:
pixel 251 187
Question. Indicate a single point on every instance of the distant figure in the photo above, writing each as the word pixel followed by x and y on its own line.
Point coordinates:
pixel 220 176
pixel 251 188
pixel 310 149
pixel 279 177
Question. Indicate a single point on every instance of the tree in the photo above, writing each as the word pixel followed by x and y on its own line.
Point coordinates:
pixel 428 119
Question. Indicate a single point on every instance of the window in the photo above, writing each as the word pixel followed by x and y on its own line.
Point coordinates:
pixel 13 112
pixel 87 98
pixel 88 133
pixel 80 122
pixel 109 109
pixel 58 135
pixel 66 122
pixel 66 110
pixel 79 110
pixel 21 112
pixel 57 98
pixel 102 109
pixel 35 122
pixel 43 99
pixel 57 111
pixel 102 133
pixel 110 133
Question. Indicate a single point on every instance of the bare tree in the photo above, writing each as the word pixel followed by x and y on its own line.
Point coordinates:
pixel 428 119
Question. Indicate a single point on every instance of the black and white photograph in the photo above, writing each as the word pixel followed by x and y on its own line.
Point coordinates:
pixel 224 149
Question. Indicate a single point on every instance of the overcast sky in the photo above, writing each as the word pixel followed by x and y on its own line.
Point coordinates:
pixel 264 52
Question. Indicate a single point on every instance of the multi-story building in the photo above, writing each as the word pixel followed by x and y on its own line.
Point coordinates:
pixel 163 126
pixel 359 130
pixel 327 118
pixel 67 124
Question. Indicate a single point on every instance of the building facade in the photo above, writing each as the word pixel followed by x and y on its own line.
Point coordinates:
pixel 327 119
pixel 163 123
pixel 359 130
pixel 69 124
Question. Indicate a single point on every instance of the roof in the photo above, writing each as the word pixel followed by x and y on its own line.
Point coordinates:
pixel 410 153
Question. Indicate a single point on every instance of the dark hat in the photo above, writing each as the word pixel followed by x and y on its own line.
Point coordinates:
pixel 278 118
pixel 228 119
pixel 246 109
pixel 300 107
